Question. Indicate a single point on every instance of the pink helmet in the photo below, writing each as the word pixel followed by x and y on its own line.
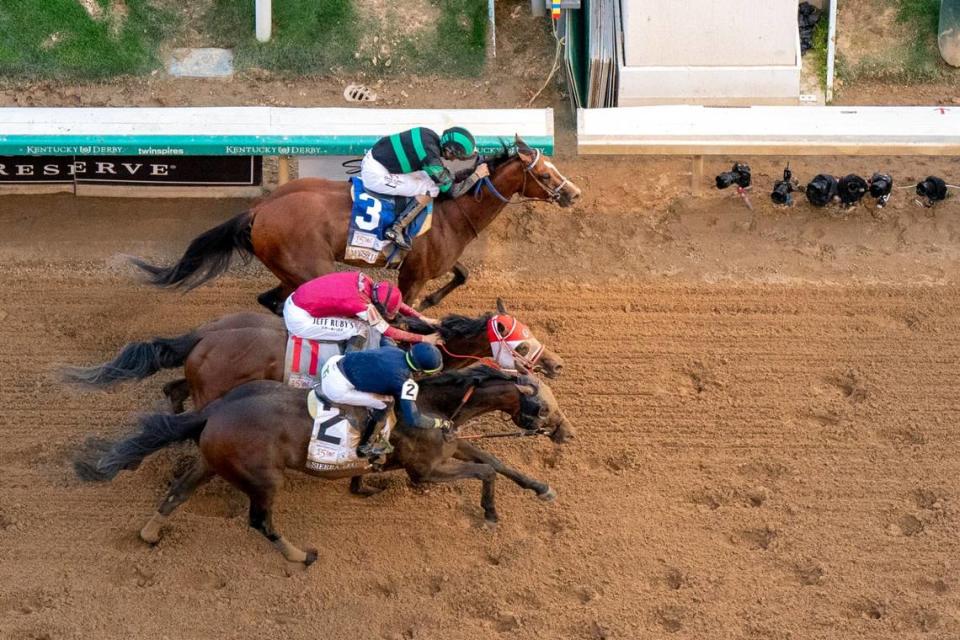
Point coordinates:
pixel 387 298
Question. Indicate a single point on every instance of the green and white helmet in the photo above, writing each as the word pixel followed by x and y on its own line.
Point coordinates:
pixel 460 141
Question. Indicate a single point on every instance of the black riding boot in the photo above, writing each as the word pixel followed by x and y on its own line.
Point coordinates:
pixel 369 446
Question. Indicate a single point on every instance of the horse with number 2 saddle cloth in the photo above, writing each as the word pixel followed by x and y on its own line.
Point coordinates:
pixel 371 216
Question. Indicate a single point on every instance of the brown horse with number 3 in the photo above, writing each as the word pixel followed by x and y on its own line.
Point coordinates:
pixel 299 231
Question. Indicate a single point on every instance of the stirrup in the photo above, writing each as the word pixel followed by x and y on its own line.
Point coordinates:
pixel 398 238
pixel 373 450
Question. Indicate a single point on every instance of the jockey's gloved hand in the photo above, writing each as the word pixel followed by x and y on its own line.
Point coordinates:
pixel 482 171
pixel 463 174
pixel 433 338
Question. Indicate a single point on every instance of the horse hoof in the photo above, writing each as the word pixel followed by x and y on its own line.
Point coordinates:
pixel 548 496
pixel 367 492
pixel 311 557
pixel 150 537
pixel 490 523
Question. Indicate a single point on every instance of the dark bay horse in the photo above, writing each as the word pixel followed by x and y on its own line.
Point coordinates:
pixel 299 231
pixel 258 430
pixel 237 348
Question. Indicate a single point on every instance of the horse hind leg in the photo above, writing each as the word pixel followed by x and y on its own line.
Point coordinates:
pixel 198 475
pixel 262 489
pixel 460 276
pixel 261 519
pixel 177 393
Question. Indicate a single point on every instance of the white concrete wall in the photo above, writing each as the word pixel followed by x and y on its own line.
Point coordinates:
pixel 709 32
pixel 709 85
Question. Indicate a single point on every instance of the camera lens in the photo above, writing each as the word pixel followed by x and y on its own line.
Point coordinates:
pixel 739 175
pixel 933 189
pixel 781 192
pixel 726 179
pixel 822 190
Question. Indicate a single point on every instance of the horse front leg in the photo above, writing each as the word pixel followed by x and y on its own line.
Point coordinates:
pixel 460 276
pixel 472 453
pixel 450 470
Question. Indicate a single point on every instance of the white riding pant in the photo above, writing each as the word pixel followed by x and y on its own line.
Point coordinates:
pixel 339 390
pixel 300 323
pixel 378 179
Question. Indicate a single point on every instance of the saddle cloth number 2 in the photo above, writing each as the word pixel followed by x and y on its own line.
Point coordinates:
pixel 368 219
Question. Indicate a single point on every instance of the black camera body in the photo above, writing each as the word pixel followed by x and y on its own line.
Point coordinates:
pixel 881 186
pixel 851 189
pixel 739 175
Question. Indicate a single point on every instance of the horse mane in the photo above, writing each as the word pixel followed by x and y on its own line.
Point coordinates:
pixel 451 326
pixel 476 375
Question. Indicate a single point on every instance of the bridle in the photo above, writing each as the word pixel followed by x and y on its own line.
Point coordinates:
pixel 528 361
pixel 554 193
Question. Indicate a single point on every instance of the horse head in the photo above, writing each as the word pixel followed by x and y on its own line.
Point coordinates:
pixel 537 179
pixel 499 337
pixel 539 410
pixel 479 389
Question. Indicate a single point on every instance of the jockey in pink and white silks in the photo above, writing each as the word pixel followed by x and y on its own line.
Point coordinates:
pixel 339 306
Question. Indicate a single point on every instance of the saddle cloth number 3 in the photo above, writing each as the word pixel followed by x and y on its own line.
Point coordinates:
pixel 368 219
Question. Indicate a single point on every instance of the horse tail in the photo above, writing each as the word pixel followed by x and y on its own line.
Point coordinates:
pixel 156 432
pixel 208 256
pixel 136 361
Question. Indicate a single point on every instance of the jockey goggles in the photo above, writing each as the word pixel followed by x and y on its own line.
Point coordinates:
pixel 413 366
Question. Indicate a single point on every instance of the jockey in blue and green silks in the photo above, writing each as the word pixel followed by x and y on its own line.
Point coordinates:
pixel 411 164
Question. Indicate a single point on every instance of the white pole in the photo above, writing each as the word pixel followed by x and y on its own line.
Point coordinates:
pixel 264 20
pixel 831 49
pixel 492 16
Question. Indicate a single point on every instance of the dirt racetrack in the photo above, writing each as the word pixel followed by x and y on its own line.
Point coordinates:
pixel 768 442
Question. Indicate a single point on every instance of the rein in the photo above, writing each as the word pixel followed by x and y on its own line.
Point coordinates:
pixel 463 401
pixel 484 360
pixel 527 171
pixel 508 434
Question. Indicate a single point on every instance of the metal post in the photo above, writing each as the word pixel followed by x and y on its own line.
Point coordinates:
pixel 696 176
pixel 264 20
pixel 538 7
pixel 492 14
pixel 831 49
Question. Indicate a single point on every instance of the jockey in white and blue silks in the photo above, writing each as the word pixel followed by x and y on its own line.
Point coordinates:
pixel 372 378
